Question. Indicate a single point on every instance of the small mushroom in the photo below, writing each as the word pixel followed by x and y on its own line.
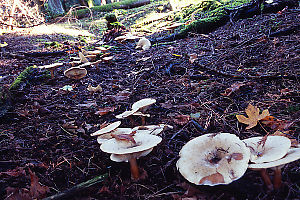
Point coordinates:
pixel 107 128
pixel 144 44
pixel 143 104
pixel 107 59
pixel 213 159
pixel 292 155
pixel 275 147
pixel 127 150
pixel 172 27
pixel 51 68
pixel 138 106
pixel 75 73
pixel 153 129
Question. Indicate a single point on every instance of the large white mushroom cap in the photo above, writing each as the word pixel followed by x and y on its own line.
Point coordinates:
pixel 275 148
pixel 143 141
pixel 291 156
pixel 213 160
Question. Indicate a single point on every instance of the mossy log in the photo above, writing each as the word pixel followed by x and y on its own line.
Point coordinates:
pixel 127 4
pixel 225 15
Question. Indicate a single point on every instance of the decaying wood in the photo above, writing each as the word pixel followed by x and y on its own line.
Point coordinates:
pixel 135 4
pixel 233 14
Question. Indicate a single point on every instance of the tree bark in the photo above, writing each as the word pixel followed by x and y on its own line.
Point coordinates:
pixel 56 7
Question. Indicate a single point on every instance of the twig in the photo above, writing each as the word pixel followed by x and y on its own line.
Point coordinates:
pixel 76 188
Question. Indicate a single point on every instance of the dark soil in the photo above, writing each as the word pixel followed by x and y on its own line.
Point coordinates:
pixel 36 132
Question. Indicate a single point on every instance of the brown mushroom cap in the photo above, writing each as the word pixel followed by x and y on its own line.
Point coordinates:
pixel 107 128
pixel 126 157
pixel 143 103
pixel 275 148
pixel 213 160
pixel 143 141
pixel 75 73
pixel 291 156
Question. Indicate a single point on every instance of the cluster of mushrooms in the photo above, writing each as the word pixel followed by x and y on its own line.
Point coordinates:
pixel 129 144
pixel 214 159
pixel 210 159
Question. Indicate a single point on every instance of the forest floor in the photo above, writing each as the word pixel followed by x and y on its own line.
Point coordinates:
pixel 45 135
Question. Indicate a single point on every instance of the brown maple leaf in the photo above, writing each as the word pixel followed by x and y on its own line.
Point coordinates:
pixel 253 116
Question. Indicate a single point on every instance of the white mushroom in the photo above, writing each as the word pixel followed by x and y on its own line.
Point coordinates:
pixel 144 44
pixel 274 148
pixel 138 106
pixel 107 128
pixel 213 159
pixel 143 103
pixel 153 129
pixel 292 155
pixel 51 68
pixel 132 150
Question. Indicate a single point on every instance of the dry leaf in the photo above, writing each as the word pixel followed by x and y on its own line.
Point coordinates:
pixel 233 88
pixel 182 119
pixel 193 57
pixel 121 96
pixel 253 116
pixel 19 171
pixel 213 178
pixel 275 124
pixel 104 111
pixel 98 88
pixel 37 191
pixel 127 137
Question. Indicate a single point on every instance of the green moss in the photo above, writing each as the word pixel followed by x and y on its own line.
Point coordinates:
pixel 30 75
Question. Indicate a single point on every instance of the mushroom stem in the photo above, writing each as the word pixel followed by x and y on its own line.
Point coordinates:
pixel 277 178
pixel 134 169
pixel 266 178
pixel 143 120
pixel 131 120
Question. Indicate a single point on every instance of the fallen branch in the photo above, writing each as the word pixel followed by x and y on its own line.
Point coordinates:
pixel 77 188
pixel 240 77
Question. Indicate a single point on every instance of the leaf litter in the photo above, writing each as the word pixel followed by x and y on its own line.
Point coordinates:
pixel 223 57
